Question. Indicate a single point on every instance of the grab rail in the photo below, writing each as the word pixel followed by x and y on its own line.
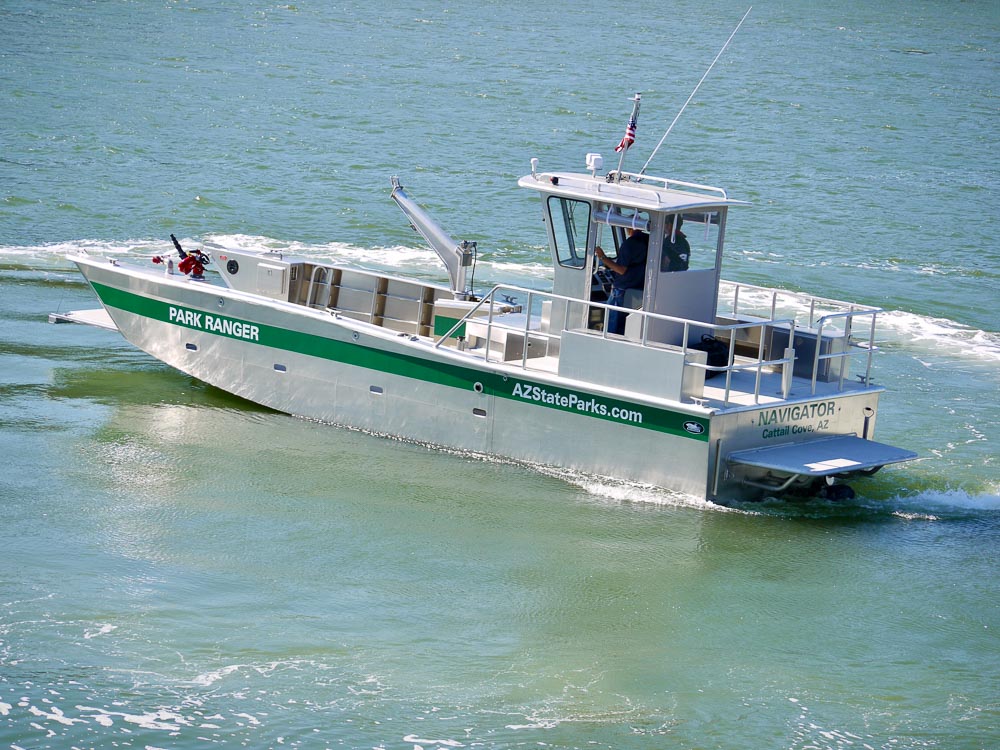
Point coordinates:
pixel 672 184
pixel 833 325
pixel 758 364
pixel 846 354
pixel 327 273
pixel 808 301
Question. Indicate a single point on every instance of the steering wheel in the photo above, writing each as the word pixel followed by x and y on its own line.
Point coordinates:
pixel 601 281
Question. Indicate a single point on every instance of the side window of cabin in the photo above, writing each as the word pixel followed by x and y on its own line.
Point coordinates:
pixel 570 221
pixel 697 238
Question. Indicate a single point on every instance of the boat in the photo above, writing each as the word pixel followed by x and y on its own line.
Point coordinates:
pixel 717 389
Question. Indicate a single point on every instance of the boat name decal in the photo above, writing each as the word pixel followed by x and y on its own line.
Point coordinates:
pixel 797 412
pixel 779 418
pixel 214 323
pixel 571 400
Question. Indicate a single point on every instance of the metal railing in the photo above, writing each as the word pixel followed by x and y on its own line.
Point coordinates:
pixel 849 343
pixel 835 318
pixel 489 299
pixel 768 300
pixel 325 281
pixel 838 319
pixel 733 364
pixel 670 184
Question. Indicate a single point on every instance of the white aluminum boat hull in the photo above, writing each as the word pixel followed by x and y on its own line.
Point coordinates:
pixel 319 366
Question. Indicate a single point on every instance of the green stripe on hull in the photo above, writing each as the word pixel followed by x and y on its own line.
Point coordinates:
pixel 440 373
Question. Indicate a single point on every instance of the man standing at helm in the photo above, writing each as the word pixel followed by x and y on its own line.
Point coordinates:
pixel 629 270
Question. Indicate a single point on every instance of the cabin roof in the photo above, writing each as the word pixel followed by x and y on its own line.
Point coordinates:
pixel 651 194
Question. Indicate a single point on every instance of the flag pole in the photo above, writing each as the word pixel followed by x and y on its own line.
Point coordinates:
pixel 629 138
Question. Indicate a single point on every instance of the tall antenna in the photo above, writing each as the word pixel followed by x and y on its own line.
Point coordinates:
pixel 642 171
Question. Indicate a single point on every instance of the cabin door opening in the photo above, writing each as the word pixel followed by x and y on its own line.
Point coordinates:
pixel 568 222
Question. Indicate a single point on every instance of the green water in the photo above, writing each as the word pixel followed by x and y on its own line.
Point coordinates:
pixel 180 569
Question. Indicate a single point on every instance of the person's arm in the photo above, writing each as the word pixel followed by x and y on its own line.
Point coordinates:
pixel 617 268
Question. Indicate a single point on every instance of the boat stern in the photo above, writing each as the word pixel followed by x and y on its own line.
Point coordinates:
pixel 808 447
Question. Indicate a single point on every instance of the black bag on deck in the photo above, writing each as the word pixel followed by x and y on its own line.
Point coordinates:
pixel 718 353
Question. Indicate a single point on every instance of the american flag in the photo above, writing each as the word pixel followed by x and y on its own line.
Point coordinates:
pixel 629 138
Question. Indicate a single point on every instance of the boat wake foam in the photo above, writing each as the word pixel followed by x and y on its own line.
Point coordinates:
pixel 924 505
pixel 941 336
pixel 419 261
pixel 948 501
pixel 621 491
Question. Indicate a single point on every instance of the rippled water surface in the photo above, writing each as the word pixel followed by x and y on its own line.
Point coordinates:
pixel 181 569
